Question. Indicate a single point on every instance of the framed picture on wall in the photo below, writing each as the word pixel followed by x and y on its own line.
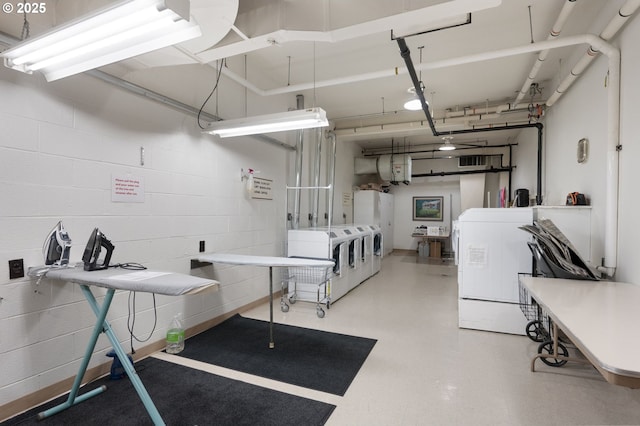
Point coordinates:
pixel 427 208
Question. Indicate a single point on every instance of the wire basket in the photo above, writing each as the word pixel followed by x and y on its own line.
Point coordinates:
pixel 539 324
pixel 307 283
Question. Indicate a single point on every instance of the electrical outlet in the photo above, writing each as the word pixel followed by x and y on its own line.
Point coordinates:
pixel 16 269
pixel 201 247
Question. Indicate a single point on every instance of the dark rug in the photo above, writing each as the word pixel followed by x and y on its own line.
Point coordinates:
pixel 184 396
pixel 313 359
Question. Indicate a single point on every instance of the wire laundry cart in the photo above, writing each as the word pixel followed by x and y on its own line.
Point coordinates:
pixel 298 280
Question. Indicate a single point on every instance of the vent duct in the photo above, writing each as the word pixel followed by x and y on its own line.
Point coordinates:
pixel 392 168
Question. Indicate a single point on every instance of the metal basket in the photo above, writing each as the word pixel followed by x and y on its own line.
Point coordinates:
pixel 297 278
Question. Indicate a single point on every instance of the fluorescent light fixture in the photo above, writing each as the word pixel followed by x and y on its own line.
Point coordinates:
pixel 108 35
pixel 291 120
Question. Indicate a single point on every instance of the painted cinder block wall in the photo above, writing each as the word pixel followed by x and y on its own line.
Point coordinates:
pixel 60 145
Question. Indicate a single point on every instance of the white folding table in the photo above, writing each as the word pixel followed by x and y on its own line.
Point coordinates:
pixel 113 279
pixel 267 261
pixel 601 319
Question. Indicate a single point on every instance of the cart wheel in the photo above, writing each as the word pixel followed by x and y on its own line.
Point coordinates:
pixel 536 331
pixel 292 299
pixel 320 312
pixel 284 307
pixel 547 348
pixel 328 304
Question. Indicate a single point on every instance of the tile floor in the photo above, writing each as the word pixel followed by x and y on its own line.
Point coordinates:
pixel 424 370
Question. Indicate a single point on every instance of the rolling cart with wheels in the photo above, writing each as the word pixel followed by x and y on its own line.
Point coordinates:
pixel 541 329
pixel 299 280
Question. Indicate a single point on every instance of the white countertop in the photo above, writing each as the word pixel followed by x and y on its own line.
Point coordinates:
pixel 600 317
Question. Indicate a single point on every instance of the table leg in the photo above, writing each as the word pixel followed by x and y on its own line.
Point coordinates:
pixel 102 325
pixel 271 343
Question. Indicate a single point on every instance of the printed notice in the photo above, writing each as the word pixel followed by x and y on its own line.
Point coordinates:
pixel 476 256
pixel 347 198
pixel 262 189
pixel 127 189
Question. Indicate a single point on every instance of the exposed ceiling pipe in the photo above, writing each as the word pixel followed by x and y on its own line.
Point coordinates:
pixel 612 28
pixel 295 223
pixel 331 175
pixel 420 18
pixel 542 56
pixel 397 71
pixel 613 124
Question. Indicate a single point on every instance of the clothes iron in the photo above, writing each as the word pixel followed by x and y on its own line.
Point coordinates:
pixel 57 247
pixel 91 255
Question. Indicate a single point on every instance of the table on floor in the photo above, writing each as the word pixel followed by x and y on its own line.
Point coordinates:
pixel 425 238
pixel 266 261
pixel 113 279
pixel 599 317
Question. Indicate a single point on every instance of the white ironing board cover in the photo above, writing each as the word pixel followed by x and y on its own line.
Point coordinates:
pixel 246 259
pixel 166 283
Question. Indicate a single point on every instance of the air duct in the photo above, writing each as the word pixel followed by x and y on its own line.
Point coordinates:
pixel 393 168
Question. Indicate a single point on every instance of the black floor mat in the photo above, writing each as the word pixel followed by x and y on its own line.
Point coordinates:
pixel 314 359
pixel 184 396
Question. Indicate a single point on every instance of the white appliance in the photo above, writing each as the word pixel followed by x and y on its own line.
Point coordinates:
pixel 375 208
pixel 491 253
pixel 365 236
pixel 377 248
pixel 325 244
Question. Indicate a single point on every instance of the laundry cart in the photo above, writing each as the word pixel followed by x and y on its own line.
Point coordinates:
pixel 553 257
pixel 296 278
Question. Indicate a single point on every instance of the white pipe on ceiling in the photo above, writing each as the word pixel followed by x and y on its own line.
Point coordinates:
pixel 420 18
pixel 556 29
pixel 394 72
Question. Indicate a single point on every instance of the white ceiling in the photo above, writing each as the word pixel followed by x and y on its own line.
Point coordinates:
pixel 336 70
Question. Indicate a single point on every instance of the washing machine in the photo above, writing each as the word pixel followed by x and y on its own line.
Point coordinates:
pixel 321 243
pixel 378 247
pixel 354 275
pixel 366 251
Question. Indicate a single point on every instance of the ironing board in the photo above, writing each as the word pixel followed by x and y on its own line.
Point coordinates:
pixel 166 283
pixel 267 261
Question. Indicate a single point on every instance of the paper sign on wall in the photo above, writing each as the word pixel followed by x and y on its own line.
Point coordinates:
pixel 127 189
pixel 262 189
pixel 347 198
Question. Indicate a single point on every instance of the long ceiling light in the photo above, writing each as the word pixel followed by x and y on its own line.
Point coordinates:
pixel 291 120
pixel 108 35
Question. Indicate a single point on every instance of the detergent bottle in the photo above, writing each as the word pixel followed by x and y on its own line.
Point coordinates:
pixel 175 335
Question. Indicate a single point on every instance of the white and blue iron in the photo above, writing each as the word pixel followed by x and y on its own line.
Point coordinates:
pixel 57 247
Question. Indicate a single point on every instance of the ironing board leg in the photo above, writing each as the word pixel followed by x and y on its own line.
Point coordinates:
pixel 102 325
pixel 271 343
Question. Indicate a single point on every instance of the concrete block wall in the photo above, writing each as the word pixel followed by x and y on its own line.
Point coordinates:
pixel 60 145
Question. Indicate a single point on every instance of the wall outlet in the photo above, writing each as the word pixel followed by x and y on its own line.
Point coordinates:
pixel 16 269
pixel 201 248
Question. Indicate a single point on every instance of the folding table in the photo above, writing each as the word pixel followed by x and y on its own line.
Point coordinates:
pixel 270 262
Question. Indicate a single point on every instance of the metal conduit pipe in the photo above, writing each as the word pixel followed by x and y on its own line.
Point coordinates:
pixel 331 175
pixel 315 192
pixel 406 55
pixel 295 223
pixel 542 56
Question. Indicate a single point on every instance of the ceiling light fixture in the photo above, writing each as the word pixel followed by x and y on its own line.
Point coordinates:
pixel 291 120
pixel 414 103
pixel 108 35
pixel 447 145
